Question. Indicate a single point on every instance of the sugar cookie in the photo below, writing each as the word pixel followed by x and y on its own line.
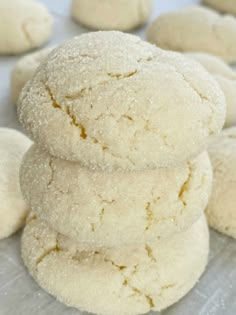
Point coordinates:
pixel 143 109
pixel 226 77
pixel 113 209
pixel 24 70
pixel 221 213
pixel 13 209
pixel 125 281
pixel 120 15
pixel 23 25
pixel 195 29
pixel 226 6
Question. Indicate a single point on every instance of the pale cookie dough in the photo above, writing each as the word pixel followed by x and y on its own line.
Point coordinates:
pixel 120 15
pixel 221 211
pixel 125 281
pixel 195 29
pixel 24 70
pixel 24 25
pixel 225 6
pixel 112 101
pixel 226 78
pixel 113 209
pixel 13 208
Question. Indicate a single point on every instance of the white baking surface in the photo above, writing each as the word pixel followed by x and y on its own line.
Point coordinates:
pixel 215 294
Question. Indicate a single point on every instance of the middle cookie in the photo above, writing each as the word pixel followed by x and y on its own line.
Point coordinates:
pixel 113 209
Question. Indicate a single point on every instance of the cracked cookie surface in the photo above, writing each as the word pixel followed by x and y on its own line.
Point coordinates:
pixel 24 70
pixel 13 208
pixel 24 25
pixel 112 101
pixel 221 212
pixel 225 76
pixel 127 280
pixel 100 15
pixel 115 208
pixel 195 29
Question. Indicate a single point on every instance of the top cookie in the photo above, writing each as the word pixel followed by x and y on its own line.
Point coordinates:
pixel 113 101
pixel 119 15
pixel 195 29
pixel 24 25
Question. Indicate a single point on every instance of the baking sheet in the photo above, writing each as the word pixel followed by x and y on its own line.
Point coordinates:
pixel 215 294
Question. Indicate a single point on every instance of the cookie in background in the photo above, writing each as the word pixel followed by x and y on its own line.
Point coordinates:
pixel 224 6
pixel 119 15
pixel 13 209
pixel 24 25
pixel 225 76
pixel 195 28
pixel 24 70
pixel 221 212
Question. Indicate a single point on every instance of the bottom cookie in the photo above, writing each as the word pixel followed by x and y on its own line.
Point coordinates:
pixel 116 281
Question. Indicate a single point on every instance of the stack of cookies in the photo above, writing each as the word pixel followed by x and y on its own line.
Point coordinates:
pixel 118 177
